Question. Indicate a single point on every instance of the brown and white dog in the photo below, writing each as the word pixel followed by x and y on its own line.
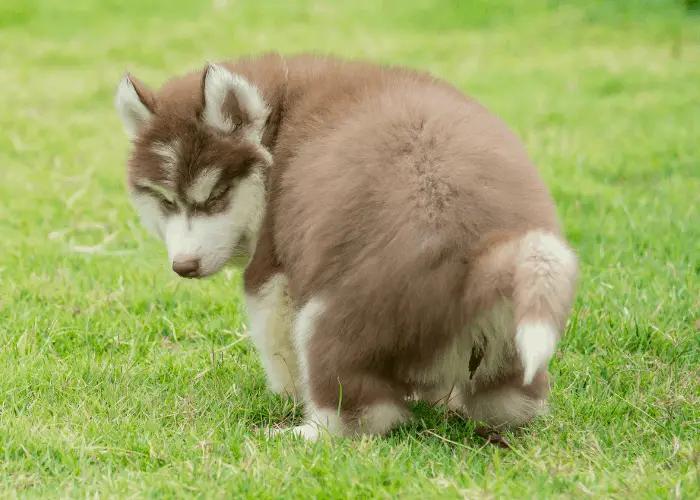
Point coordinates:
pixel 396 238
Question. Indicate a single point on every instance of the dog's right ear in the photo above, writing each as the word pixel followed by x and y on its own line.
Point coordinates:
pixel 135 104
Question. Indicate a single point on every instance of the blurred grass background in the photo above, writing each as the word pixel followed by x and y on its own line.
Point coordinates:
pixel 119 379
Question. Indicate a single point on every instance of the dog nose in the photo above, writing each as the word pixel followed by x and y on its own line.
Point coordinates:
pixel 186 267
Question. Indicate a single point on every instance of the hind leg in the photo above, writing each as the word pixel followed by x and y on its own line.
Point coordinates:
pixel 506 403
pixel 343 395
pixel 529 283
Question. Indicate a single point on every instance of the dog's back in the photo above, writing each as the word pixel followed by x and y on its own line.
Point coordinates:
pixel 407 212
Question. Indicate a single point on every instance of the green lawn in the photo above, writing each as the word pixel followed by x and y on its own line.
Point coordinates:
pixel 119 379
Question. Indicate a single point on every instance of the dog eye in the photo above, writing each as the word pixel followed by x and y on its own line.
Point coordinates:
pixel 219 195
pixel 169 204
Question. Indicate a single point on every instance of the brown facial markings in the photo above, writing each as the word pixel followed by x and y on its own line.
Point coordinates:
pixel 145 164
pixel 234 159
pixel 196 149
pixel 214 205
pixel 167 206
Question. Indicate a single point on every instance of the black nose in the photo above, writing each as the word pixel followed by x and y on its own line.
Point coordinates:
pixel 187 267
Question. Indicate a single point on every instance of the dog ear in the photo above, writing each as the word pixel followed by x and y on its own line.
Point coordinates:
pixel 231 103
pixel 135 104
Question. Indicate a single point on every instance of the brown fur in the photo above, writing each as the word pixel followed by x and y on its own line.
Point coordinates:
pixel 399 202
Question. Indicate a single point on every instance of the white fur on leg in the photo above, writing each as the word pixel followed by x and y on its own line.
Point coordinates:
pixel 270 329
pixel 380 418
pixel 377 420
pixel 317 419
pixel 317 423
pixel 536 343
pixel 302 331
pixel 507 407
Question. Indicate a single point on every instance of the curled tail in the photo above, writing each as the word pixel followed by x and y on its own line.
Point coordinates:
pixel 544 285
pixel 538 272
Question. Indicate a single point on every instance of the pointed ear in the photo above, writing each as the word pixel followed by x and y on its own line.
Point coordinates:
pixel 134 102
pixel 232 103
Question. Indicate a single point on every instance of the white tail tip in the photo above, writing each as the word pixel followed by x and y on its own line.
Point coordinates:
pixel 536 343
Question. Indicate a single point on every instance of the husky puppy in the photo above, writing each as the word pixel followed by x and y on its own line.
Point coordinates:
pixel 396 238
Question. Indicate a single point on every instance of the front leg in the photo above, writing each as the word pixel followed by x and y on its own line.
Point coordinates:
pixel 270 313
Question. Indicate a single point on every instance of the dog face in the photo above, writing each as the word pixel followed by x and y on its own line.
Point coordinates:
pixel 196 169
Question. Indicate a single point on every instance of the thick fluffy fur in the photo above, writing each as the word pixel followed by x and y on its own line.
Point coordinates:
pixel 400 241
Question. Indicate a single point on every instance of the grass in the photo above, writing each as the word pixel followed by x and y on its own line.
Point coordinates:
pixel 118 379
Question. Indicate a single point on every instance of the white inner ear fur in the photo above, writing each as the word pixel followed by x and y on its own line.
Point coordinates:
pixel 132 110
pixel 218 83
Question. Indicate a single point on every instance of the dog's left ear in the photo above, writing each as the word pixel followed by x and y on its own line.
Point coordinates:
pixel 135 103
pixel 231 103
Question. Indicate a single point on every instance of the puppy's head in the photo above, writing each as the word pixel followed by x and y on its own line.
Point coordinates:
pixel 196 168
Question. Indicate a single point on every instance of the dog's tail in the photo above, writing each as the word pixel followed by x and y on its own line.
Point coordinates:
pixel 538 272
